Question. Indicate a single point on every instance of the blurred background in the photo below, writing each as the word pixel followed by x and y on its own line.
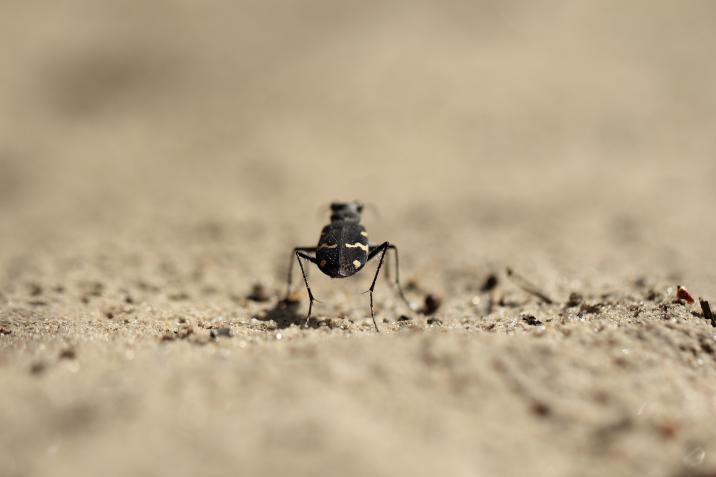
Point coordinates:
pixel 581 127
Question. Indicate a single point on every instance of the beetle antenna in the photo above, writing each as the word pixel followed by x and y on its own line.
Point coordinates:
pixel 321 210
pixel 369 206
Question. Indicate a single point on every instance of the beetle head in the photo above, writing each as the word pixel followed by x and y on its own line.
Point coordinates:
pixel 346 211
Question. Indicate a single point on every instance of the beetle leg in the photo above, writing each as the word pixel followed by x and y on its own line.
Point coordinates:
pixel 397 276
pixel 382 248
pixel 299 256
pixel 387 272
pixel 374 250
pixel 290 266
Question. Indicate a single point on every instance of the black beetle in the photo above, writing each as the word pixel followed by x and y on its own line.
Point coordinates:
pixel 343 250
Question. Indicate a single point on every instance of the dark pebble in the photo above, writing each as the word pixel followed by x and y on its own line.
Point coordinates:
pixel 34 289
pixel 574 299
pixel 531 320
pixel 38 368
pixel 217 332
pixel 541 409
pixel 432 303
pixel 653 295
pixel 706 309
pixel 68 353
pixel 258 293
pixel 592 308
pixel 490 283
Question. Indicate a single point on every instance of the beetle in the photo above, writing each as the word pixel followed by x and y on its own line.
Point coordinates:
pixel 343 250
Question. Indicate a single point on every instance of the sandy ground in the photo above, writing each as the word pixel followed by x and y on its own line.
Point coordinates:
pixel 159 159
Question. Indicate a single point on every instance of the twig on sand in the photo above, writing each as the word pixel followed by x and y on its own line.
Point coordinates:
pixel 706 308
pixel 528 286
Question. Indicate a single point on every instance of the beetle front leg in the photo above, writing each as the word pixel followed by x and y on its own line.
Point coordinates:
pixel 290 266
pixel 299 256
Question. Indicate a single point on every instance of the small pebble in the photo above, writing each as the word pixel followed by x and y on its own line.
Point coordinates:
pixel 668 430
pixel 34 289
pixel 541 409
pixel 258 293
pixel 490 283
pixel 531 320
pixel 683 294
pixel 653 295
pixel 695 457
pixel 38 368
pixel 574 299
pixel 68 353
pixel 431 305
pixel 217 332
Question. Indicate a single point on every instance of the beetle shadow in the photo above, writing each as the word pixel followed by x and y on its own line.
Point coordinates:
pixel 285 314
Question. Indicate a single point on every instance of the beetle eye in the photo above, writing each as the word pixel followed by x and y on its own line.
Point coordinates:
pixel 336 206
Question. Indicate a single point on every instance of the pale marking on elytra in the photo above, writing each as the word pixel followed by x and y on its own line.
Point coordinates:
pixel 364 233
pixel 357 245
pixel 325 245
pixel 356 263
